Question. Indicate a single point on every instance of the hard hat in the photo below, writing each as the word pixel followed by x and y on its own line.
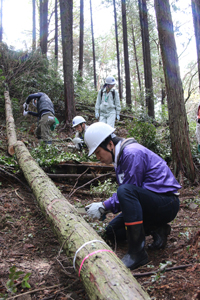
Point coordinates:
pixel 78 120
pixel 110 80
pixel 96 134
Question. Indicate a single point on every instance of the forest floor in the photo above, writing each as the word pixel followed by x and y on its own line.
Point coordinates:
pixel 28 243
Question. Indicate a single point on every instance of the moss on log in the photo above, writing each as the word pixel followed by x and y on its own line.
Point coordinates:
pixel 103 274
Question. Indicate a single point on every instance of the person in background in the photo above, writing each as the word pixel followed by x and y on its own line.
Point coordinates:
pixel 45 114
pixel 108 107
pixel 146 197
pixel 79 123
pixel 198 128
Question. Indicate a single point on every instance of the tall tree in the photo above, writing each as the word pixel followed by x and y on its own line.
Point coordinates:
pixel 126 58
pixel 179 131
pixel 80 66
pixel 196 21
pixel 93 46
pixel 1 22
pixel 56 32
pixel 117 48
pixel 43 25
pixel 146 57
pixel 66 12
pixel 34 27
pixel 136 60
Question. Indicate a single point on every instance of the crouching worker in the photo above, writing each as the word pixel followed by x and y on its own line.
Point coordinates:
pixel 79 123
pixel 45 114
pixel 147 193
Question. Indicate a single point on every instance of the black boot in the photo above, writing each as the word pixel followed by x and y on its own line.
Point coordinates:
pixel 136 255
pixel 160 237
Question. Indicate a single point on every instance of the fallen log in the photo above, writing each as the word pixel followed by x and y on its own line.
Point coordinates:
pixel 10 124
pixel 103 274
pixel 88 176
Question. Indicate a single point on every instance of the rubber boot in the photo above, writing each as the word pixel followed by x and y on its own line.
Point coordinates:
pixel 136 255
pixel 160 237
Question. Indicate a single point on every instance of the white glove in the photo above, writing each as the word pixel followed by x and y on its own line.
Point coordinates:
pixel 25 113
pixel 96 210
pixel 97 115
pixel 25 106
pixel 118 117
pixel 77 141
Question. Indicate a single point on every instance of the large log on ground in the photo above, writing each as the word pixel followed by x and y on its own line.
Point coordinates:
pixel 10 124
pixel 103 274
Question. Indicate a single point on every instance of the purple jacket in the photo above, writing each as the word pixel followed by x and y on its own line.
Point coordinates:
pixel 140 166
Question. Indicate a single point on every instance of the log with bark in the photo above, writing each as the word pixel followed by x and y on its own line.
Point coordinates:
pixel 10 124
pixel 103 274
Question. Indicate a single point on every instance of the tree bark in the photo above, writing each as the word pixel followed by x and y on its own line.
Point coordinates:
pixel 10 124
pixel 103 274
pixel 66 13
pixel 93 47
pixel 117 48
pixel 80 67
pixel 34 27
pixel 43 25
pixel 146 57
pixel 179 131
pixel 126 58
pixel 196 21
pixel 1 23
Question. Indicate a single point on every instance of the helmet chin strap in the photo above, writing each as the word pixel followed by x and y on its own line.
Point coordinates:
pixel 111 151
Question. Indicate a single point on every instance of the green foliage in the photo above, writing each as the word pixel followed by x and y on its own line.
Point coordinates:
pixel 105 189
pixel 51 155
pixel 84 90
pixel 11 284
pixel 143 130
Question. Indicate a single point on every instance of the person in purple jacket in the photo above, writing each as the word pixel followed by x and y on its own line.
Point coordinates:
pixel 147 195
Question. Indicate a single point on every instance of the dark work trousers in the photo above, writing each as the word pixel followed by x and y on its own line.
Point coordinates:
pixel 137 205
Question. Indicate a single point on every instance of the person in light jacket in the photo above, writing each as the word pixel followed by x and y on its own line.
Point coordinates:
pixel 79 123
pixel 45 114
pixel 108 107
pixel 147 195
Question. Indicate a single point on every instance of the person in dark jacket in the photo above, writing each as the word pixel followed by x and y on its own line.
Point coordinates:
pixel 45 114
pixel 147 195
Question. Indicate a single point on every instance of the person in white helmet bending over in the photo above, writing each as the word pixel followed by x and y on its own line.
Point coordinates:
pixel 108 107
pixel 79 123
pixel 146 197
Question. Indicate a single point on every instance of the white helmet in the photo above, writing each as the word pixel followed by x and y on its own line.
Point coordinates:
pixel 96 134
pixel 78 120
pixel 110 80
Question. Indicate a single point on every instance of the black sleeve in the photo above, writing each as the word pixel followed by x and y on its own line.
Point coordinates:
pixel 33 96
pixel 32 113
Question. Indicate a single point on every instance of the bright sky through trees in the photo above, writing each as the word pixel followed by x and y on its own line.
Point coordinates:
pixel 17 25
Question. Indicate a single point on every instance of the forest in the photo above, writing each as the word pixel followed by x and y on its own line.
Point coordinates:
pixel 45 233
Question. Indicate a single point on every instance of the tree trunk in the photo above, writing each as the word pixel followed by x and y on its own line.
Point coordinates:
pixel 117 48
pixel 80 67
pixel 56 33
pixel 196 21
pixel 34 27
pixel 179 131
pixel 136 60
pixel 10 124
pixel 1 22
pixel 146 57
pixel 43 25
pixel 93 47
pixel 103 274
pixel 126 58
pixel 66 12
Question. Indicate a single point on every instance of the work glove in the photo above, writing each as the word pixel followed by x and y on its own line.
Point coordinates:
pixel 96 211
pixel 118 117
pixel 77 142
pixel 25 113
pixel 25 106
pixel 96 115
